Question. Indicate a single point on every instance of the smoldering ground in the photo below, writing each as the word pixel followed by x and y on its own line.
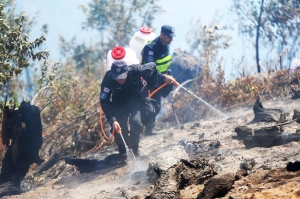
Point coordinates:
pixel 212 139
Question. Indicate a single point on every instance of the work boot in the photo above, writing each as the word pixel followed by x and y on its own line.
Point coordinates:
pixel 148 130
pixel 136 153
pixel 122 158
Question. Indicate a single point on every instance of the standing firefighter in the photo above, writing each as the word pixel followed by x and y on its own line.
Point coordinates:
pixel 22 135
pixel 158 51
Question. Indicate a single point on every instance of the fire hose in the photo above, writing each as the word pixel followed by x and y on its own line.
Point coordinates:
pixel 110 137
pixel 150 95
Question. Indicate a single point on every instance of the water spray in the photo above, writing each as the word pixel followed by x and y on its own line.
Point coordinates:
pixel 210 106
pixel 190 92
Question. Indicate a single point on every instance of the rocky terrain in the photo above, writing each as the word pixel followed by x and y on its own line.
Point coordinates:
pixel 251 170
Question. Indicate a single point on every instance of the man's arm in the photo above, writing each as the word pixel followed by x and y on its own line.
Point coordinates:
pixel 147 55
pixel 105 95
pixel 148 71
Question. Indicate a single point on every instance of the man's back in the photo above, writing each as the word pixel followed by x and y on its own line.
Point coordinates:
pixel 154 51
pixel 158 51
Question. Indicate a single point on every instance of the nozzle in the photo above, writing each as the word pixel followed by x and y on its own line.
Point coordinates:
pixel 175 83
pixel 119 131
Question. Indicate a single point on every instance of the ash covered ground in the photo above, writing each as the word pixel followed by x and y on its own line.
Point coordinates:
pixel 213 140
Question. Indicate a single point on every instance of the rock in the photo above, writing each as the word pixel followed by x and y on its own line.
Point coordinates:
pixel 214 144
pixel 247 164
pixel 243 131
pixel 240 173
pixel 196 124
pixel 194 172
pixel 181 175
pixel 217 187
pixel 164 161
pixel 184 66
pixel 293 166
pixel 296 94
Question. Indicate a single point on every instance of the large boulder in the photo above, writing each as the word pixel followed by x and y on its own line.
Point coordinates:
pixel 184 66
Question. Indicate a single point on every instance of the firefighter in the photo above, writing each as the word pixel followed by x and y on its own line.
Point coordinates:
pixel 158 51
pixel 122 100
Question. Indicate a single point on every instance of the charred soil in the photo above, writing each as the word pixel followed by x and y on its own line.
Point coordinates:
pixel 200 159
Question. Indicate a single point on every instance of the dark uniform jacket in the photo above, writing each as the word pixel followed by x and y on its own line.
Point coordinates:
pixel 114 95
pixel 160 54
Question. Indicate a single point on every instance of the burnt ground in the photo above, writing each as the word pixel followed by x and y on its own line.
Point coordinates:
pixel 215 140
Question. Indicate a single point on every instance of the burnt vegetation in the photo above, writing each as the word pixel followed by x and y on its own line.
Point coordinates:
pixel 64 116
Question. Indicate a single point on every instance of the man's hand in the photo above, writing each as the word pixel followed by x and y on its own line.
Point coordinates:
pixel 170 79
pixel 116 126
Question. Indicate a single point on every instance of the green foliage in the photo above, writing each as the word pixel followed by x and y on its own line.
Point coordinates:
pixel 275 24
pixel 80 54
pixel 116 21
pixel 48 74
pixel 15 49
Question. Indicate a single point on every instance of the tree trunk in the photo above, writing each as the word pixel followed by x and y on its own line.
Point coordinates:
pixel 258 35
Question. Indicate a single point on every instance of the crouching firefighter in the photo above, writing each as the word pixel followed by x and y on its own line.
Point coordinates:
pixel 122 101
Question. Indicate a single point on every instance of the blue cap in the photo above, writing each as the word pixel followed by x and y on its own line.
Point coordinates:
pixel 168 30
pixel 119 70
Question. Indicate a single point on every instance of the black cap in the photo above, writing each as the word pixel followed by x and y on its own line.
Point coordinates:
pixel 168 30
pixel 119 70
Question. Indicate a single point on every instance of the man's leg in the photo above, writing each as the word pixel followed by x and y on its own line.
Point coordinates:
pixel 122 117
pixel 136 128
pixel 150 125
pixel 149 128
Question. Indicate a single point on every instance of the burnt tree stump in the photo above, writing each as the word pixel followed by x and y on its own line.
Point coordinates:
pixel 265 137
pixel 269 139
pixel 262 114
pixel 296 116
pixel 266 130
pixel 23 148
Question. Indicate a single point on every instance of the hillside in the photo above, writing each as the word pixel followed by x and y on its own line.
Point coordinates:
pixel 215 140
